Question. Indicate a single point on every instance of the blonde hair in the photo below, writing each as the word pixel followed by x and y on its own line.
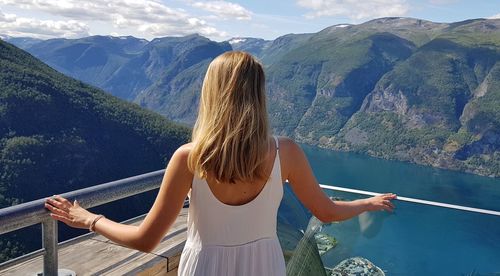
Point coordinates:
pixel 230 136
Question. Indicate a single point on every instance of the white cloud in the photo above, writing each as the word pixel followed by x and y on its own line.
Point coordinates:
pixel 224 9
pixel 496 16
pixel 157 29
pixel 355 9
pixel 149 16
pixel 7 18
pixel 13 25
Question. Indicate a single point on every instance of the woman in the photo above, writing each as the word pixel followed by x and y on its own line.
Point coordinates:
pixel 233 172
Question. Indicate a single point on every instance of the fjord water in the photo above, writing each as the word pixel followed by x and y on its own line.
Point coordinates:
pixel 416 239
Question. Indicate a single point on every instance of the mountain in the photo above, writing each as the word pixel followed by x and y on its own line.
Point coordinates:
pixel 317 86
pixel 150 73
pixel 440 106
pixel 92 59
pixel 254 46
pixel 282 46
pixel 58 134
pixel 59 130
pixel 178 66
pixel 396 88
pixel 21 42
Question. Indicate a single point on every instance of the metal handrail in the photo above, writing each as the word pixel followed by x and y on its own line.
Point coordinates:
pixel 34 212
pixel 415 200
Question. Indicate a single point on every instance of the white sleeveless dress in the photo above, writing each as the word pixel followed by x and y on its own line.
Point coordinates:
pixel 225 240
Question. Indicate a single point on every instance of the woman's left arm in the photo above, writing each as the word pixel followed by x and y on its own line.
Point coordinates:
pixel 145 237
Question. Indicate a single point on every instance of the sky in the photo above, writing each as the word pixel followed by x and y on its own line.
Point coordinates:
pixel 217 20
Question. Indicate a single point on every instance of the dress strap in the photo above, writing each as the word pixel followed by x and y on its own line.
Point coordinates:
pixel 277 143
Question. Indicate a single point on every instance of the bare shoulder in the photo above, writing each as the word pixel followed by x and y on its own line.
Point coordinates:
pixel 180 157
pixel 288 147
pixel 184 150
pixel 290 153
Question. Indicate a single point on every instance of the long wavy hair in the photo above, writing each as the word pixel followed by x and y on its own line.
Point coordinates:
pixel 230 136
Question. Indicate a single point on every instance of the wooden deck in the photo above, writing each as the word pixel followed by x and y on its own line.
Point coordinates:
pixel 96 255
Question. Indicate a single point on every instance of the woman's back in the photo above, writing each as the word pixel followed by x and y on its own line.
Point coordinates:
pixel 230 144
pixel 234 240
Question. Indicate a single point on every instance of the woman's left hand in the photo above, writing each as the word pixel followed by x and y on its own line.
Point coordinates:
pixel 380 202
pixel 71 214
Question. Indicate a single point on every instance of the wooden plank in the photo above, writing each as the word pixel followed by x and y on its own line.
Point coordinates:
pixel 99 256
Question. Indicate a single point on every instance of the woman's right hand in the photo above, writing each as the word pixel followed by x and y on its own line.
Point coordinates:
pixel 71 214
pixel 380 202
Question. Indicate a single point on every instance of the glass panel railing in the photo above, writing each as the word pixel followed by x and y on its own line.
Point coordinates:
pixel 417 239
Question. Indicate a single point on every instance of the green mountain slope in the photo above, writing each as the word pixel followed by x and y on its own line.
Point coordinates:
pixel 326 80
pixel 440 106
pixel 58 134
pixel 397 88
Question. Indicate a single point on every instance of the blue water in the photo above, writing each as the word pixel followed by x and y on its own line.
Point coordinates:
pixel 416 239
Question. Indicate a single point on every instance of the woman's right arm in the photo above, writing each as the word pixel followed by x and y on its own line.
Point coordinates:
pixel 296 169
pixel 175 185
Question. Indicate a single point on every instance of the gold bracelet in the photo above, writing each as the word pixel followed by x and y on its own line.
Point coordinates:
pixel 92 225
